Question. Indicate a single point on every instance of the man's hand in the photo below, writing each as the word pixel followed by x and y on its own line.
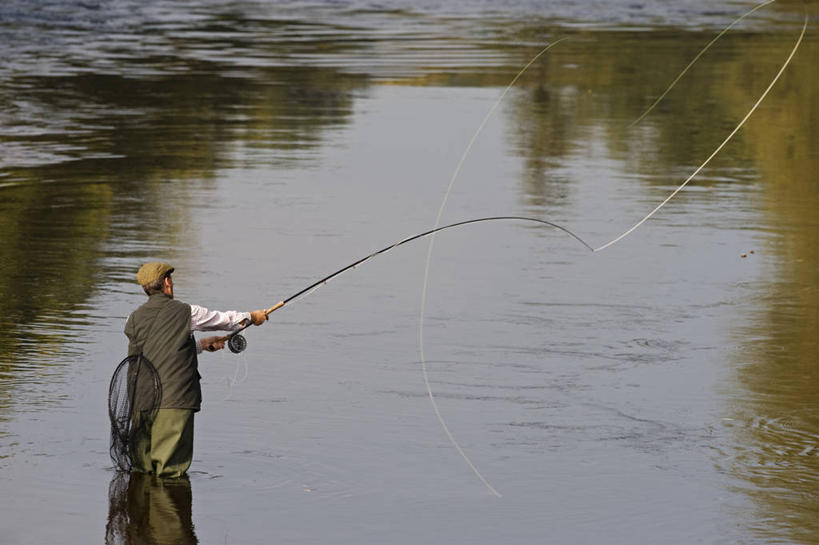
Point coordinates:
pixel 212 344
pixel 258 317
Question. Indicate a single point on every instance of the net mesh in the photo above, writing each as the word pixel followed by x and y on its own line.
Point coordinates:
pixel 133 399
pixel 116 530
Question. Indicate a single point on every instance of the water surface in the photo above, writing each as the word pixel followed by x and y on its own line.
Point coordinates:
pixel 662 390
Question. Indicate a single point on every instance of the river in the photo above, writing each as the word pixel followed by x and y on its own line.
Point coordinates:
pixel 662 390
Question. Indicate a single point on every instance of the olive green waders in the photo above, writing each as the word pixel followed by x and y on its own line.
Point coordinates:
pixel 163 447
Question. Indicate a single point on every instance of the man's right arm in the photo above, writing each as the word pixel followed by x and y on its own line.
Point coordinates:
pixel 203 319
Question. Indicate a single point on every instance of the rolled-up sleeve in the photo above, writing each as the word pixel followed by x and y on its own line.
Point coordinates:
pixel 203 319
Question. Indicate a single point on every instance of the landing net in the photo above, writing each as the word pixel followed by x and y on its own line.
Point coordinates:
pixel 133 399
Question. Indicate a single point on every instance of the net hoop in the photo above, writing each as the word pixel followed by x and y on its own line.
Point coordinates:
pixel 134 396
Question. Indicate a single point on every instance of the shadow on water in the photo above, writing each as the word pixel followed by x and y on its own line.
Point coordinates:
pixel 144 509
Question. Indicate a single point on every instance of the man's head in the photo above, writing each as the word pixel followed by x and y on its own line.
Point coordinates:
pixel 155 277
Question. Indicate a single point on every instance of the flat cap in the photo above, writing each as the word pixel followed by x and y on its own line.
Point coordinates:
pixel 151 272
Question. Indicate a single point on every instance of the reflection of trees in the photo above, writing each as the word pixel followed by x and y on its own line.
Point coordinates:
pixel 595 88
pixel 780 369
pixel 108 164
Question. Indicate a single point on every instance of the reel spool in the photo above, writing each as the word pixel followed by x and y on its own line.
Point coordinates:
pixel 237 343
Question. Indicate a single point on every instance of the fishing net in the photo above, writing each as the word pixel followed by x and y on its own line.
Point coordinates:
pixel 133 399
pixel 116 529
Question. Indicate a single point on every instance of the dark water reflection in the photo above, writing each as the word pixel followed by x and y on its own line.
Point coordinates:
pixel 134 131
pixel 147 510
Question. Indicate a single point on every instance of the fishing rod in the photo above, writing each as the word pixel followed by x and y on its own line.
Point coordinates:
pixel 237 342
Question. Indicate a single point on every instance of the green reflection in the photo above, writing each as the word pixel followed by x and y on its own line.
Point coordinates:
pixel 778 365
pixel 593 90
pixel 595 87
pixel 105 168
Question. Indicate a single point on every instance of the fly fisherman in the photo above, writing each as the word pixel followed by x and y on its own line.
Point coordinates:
pixel 162 330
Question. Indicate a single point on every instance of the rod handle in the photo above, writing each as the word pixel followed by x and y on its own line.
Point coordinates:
pixel 267 312
pixel 209 347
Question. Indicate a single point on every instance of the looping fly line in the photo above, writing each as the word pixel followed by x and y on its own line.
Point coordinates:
pixel 604 246
pixel 237 343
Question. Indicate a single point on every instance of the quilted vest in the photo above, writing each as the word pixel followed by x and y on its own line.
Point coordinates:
pixel 161 330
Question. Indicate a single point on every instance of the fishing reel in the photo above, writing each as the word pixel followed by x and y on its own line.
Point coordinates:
pixel 237 343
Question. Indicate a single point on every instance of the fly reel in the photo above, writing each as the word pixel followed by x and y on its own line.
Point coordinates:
pixel 237 343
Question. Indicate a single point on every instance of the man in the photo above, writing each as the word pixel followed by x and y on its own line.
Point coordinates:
pixel 162 330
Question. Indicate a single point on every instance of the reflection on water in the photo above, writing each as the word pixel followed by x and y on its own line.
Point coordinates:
pixel 144 509
pixel 123 122
pixel 777 454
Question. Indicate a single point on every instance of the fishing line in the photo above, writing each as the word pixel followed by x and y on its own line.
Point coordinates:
pixel 235 380
pixel 608 244
pixel 237 343
pixel 425 286
pixel 702 51
pixel 719 148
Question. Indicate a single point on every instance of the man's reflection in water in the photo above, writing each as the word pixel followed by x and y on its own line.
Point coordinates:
pixel 144 509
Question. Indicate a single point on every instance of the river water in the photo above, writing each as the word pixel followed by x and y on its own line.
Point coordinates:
pixel 663 390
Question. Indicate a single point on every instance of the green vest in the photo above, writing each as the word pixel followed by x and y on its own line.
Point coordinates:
pixel 161 330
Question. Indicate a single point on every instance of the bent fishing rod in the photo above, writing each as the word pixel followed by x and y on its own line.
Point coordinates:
pixel 237 342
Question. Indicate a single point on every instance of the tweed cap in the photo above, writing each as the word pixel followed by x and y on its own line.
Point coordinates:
pixel 151 272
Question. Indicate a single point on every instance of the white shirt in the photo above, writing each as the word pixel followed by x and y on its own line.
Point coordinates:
pixel 203 319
